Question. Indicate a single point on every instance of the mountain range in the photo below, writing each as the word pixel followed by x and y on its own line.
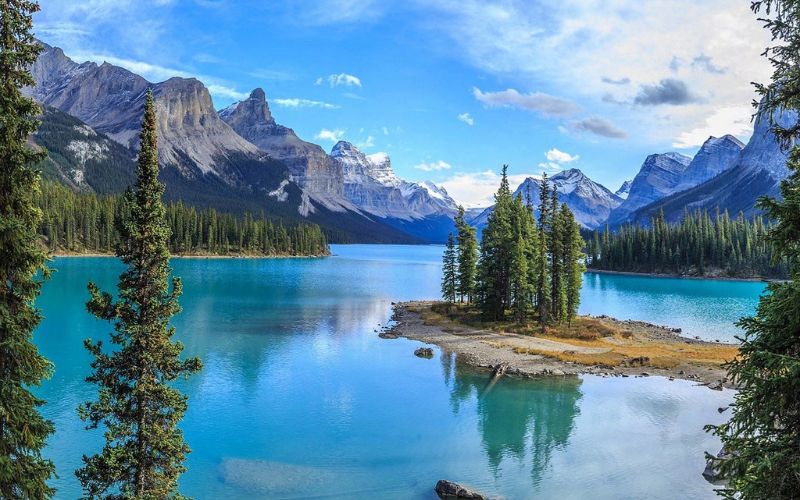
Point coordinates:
pixel 237 159
pixel 240 159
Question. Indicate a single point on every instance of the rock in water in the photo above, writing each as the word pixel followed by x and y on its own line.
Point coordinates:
pixel 711 472
pixel 424 352
pixel 448 489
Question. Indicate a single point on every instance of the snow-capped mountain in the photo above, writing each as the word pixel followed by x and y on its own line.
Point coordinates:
pixel 757 171
pixel 659 177
pixel 589 201
pixel 715 156
pixel 624 190
pixel 371 184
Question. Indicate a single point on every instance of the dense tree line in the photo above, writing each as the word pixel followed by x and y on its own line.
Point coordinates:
pixel 84 222
pixel 524 266
pixel 700 244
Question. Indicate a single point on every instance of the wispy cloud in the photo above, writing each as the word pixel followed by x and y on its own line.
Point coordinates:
pixel 369 142
pixel 295 102
pixel 433 166
pixel 539 102
pixel 466 118
pixel 598 126
pixel 334 135
pixel 340 79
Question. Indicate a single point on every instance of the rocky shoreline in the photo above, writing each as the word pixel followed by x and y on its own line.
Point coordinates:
pixel 499 352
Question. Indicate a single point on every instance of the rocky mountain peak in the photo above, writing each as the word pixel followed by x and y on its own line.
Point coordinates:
pixel 624 190
pixel 254 110
pixel 716 155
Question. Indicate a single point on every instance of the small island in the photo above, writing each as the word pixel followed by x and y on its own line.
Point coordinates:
pixel 588 345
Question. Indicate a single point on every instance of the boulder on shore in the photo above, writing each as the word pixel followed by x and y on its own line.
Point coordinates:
pixel 449 489
pixel 424 352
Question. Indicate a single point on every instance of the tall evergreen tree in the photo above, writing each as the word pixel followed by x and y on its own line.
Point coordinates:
pixel 467 257
pixel 449 271
pixel 573 262
pixel 494 264
pixel 23 431
pixel 763 434
pixel 558 297
pixel 543 290
pixel 137 404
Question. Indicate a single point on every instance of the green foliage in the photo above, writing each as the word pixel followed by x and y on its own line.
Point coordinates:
pixel 733 247
pixel 467 257
pixel 81 223
pixel 763 434
pixel 23 431
pixel 137 403
pixel 449 270
pixel 524 267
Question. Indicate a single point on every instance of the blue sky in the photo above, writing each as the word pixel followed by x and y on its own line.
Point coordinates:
pixel 452 89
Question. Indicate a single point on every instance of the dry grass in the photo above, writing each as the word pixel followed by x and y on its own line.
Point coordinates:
pixel 625 347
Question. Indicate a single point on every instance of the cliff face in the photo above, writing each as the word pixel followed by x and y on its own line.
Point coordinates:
pixel 309 165
pixel 715 156
pixel 659 177
pixel 110 99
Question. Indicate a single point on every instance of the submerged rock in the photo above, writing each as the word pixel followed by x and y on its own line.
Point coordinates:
pixel 424 352
pixel 449 489
pixel 387 335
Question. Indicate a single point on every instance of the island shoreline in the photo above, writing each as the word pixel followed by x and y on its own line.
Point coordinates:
pixel 493 351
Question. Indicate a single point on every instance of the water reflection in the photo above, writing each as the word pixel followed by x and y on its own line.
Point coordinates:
pixel 518 418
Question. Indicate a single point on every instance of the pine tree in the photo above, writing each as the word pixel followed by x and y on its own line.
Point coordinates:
pixel 763 434
pixel 467 257
pixel 23 431
pixel 137 404
pixel 543 290
pixel 573 262
pixel 449 270
pixel 494 264
pixel 558 297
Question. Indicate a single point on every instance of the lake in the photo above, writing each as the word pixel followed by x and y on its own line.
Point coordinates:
pixel 299 398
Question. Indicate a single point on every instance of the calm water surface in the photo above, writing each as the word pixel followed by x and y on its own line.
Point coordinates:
pixel 299 398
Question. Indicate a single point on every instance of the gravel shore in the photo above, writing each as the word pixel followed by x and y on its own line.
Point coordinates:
pixel 497 351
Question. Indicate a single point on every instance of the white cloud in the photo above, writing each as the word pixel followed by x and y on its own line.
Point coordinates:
pixel 466 118
pixel 294 102
pixel 574 44
pixel 539 102
pixel 385 130
pixel 558 156
pixel 733 120
pixel 477 189
pixel 334 135
pixel 341 79
pixel 223 91
pixel 433 166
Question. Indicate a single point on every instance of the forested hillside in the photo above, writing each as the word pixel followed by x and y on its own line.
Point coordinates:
pixel 699 245
pixel 85 223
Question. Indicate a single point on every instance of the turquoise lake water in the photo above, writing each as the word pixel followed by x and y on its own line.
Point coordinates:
pixel 299 398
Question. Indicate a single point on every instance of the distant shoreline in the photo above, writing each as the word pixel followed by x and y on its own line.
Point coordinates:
pixel 198 256
pixel 682 276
